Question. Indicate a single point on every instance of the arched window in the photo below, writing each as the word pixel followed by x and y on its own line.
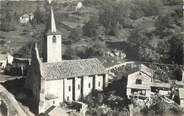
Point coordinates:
pixel 138 81
pixel 99 84
pixel 69 88
pixel 54 39
pixel 68 98
pixel 89 85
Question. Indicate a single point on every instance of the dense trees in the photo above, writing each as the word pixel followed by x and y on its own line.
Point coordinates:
pixel 149 27
pixel 153 27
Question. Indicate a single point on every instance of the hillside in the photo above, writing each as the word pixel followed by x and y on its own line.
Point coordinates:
pixel 147 29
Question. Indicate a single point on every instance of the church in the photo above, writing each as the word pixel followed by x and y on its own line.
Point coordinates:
pixel 54 80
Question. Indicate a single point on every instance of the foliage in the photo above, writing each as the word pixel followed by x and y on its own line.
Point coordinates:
pixel 8 22
pixel 76 34
pixel 90 29
pixel 112 15
pixel 146 8
pixel 176 51
pixel 161 107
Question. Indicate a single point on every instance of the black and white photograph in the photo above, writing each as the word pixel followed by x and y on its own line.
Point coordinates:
pixel 91 57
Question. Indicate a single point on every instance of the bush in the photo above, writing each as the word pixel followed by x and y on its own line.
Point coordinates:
pixel 90 29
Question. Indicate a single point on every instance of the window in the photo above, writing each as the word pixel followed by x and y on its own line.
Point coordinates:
pixel 69 88
pixel 53 102
pixel 78 86
pixel 54 39
pixel 99 84
pixel 89 85
pixel 68 98
pixel 138 81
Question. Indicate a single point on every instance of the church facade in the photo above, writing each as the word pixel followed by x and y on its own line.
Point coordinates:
pixel 53 80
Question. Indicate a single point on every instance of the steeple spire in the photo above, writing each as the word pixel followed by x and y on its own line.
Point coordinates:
pixel 53 23
pixel 53 42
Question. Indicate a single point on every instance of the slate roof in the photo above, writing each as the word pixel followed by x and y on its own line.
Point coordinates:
pixel 71 68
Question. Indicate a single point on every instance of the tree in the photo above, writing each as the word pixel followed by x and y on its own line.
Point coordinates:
pixel 140 8
pixel 113 14
pixel 90 28
pixel 76 34
pixel 176 51
pixel 38 16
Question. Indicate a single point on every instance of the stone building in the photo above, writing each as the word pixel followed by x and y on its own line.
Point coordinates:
pixel 54 80
pixel 181 95
pixel 142 84
pixel 25 18
pixel 3 61
pixel 139 82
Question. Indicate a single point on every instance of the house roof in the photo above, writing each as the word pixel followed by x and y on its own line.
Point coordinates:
pixel 21 60
pixel 161 85
pixel 146 70
pixel 181 93
pixel 139 75
pixel 3 56
pixel 71 68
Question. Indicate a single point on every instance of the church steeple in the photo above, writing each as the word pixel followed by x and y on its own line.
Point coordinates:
pixel 53 23
pixel 53 41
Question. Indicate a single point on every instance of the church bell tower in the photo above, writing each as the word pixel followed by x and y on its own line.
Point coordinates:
pixel 53 50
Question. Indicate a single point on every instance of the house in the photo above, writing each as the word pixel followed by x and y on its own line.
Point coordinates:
pixel 17 66
pixel 54 80
pixel 25 18
pixel 3 61
pixel 79 6
pixel 141 84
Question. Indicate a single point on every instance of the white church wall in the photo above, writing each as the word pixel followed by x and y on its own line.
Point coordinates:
pixel 54 53
pixel 78 87
pixel 68 89
pixel 183 76
pixel 107 78
pixel 55 88
pixel 87 85
pixel 99 82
